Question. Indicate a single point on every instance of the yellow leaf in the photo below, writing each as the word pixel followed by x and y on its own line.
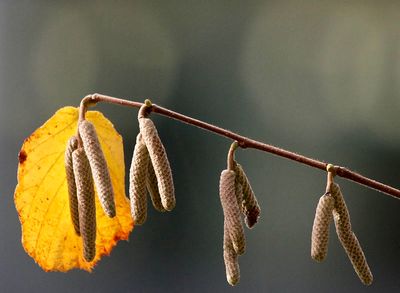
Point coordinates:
pixel 41 196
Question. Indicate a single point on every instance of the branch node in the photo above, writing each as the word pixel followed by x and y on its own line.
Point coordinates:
pixel 331 169
pixel 148 103
pixel 145 109
pixel 242 144
pixel 86 102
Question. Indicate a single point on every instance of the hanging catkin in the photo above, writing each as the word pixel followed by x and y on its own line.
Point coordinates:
pixel 227 191
pixel 72 145
pixel 320 230
pixel 348 238
pixel 250 206
pixel 152 188
pixel 137 181
pixel 230 258
pixel 86 204
pixel 159 161
pixel 98 165
pixel 238 190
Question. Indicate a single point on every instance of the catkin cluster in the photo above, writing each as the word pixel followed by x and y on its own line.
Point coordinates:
pixel 236 197
pixel 150 171
pixel 86 168
pixel 332 205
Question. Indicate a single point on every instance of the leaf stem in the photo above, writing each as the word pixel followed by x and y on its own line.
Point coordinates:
pixel 243 141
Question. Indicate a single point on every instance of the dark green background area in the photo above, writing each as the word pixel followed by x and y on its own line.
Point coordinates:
pixel 321 78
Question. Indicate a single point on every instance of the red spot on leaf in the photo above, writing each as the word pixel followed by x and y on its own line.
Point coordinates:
pixel 22 156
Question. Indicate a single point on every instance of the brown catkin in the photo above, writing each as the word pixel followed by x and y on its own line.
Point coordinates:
pixel 250 207
pixel 86 203
pixel 72 145
pixel 137 181
pixel 98 165
pixel 238 191
pixel 160 162
pixel 320 230
pixel 151 184
pixel 348 238
pixel 227 191
pixel 230 258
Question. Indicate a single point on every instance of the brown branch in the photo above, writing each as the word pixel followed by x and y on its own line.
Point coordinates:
pixel 243 142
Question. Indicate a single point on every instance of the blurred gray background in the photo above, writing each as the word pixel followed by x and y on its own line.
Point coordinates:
pixel 321 78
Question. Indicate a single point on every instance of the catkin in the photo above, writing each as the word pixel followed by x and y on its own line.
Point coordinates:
pixel 86 203
pixel 152 188
pixel 69 170
pixel 137 181
pixel 238 191
pixel 348 238
pixel 250 207
pixel 159 161
pixel 230 258
pixel 98 165
pixel 320 230
pixel 227 191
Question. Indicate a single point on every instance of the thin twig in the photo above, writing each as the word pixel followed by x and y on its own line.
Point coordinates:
pixel 243 142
